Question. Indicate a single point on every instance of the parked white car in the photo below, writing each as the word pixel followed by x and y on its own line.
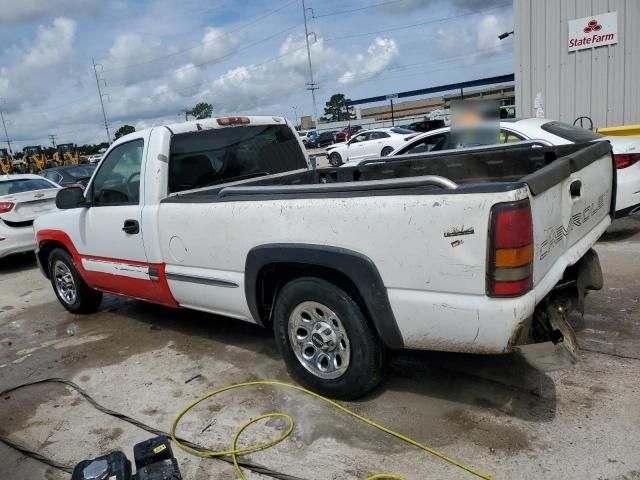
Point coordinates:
pixel 369 144
pixel 94 158
pixel 22 199
pixel 626 150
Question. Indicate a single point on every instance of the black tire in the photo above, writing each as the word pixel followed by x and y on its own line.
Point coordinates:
pixel 386 151
pixel 85 300
pixel 335 159
pixel 366 360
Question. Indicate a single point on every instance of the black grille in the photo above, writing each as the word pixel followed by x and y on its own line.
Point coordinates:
pixel 27 223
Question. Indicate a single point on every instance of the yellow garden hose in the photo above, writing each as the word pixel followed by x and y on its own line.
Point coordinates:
pixel 234 451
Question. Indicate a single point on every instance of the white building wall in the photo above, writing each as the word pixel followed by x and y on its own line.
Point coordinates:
pixel 602 83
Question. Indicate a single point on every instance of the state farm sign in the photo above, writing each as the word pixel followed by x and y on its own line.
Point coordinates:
pixel 595 31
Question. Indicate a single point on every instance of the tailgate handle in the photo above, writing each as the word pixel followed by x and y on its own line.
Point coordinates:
pixel 575 189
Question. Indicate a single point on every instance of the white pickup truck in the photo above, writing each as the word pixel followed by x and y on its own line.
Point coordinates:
pixel 469 252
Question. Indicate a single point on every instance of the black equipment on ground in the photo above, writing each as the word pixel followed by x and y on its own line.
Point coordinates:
pixel 153 458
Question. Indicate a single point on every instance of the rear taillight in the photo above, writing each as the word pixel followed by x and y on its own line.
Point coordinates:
pixel 226 121
pixel 510 268
pixel 624 160
pixel 74 185
pixel 6 207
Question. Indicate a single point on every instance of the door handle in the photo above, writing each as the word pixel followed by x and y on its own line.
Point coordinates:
pixel 131 227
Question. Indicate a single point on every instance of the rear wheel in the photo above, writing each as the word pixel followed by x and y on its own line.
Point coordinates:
pixel 386 151
pixel 326 340
pixel 335 159
pixel 72 291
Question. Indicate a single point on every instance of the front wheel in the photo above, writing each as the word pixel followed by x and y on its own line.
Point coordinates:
pixel 386 151
pixel 335 159
pixel 72 291
pixel 325 339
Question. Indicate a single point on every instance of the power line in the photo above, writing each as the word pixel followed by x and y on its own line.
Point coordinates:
pixel 427 62
pixel 420 24
pixel 342 12
pixel 178 52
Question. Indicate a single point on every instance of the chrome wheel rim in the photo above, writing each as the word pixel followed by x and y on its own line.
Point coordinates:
pixel 319 340
pixel 65 284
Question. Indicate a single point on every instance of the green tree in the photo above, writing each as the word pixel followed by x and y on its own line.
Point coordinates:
pixel 202 110
pixel 124 130
pixel 336 108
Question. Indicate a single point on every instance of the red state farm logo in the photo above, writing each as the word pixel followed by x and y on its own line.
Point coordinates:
pixel 592 26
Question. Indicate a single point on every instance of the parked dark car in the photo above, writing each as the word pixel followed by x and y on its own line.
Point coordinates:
pixel 347 133
pixel 71 176
pixel 324 139
pixel 426 125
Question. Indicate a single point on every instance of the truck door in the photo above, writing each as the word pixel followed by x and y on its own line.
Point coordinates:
pixel 109 240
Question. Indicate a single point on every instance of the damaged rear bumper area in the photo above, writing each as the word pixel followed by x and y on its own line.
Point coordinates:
pixel 547 342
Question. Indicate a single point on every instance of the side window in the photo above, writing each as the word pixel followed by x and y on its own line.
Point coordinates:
pixel 359 138
pixel 509 137
pixel 117 181
pixel 428 144
pixel 222 155
pixel 377 135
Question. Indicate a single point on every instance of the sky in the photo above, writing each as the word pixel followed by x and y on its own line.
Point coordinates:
pixel 157 58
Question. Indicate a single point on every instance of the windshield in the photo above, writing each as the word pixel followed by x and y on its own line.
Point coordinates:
pixel 3 153
pixel 81 172
pixel 402 131
pixel 570 132
pixel 32 151
pixel 65 148
pixel 23 185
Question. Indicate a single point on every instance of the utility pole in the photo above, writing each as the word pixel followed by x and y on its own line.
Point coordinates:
pixel 104 115
pixel 186 115
pixel 52 137
pixel 295 113
pixel 4 125
pixel 313 86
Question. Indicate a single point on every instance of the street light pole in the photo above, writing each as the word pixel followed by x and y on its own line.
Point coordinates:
pixel 312 85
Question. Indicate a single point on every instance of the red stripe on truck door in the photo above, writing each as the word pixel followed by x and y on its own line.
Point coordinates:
pixel 154 289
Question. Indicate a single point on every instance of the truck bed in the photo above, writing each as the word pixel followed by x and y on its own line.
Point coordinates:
pixel 498 169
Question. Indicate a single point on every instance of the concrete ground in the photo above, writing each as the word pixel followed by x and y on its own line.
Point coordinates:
pixel 491 412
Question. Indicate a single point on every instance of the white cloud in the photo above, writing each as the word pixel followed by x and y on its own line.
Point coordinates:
pixel 19 11
pixel 215 44
pixel 404 6
pixel 378 56
pixel 132 58
pixel 186 80
pixel 255 86
pixel 24 78
pixel 478 39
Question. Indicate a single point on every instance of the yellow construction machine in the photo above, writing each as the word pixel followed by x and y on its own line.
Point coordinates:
pixel 34 159
pixel 6 162
pixel 67 154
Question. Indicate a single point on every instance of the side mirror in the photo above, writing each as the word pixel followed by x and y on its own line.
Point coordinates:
pixel 70 197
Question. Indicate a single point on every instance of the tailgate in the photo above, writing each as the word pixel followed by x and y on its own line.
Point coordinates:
pixel 570 197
